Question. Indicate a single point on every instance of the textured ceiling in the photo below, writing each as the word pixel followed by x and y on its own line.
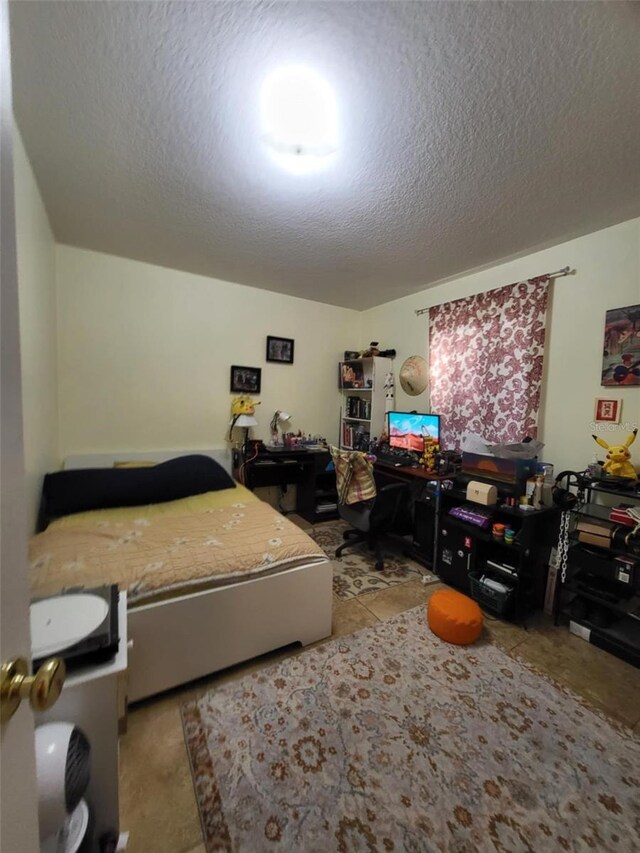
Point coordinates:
pixel 470 132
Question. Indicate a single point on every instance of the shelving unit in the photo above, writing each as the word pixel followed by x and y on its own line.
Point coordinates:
pixel 310 471
pixel 362 411
pixel 601 594
pixel 465 552
pixel 317 494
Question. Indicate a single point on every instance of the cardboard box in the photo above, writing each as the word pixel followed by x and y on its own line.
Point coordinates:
pixel 508 471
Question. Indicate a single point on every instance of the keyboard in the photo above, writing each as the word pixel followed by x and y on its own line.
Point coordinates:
pixel 396 459
pixel 472 514
pixel 270 448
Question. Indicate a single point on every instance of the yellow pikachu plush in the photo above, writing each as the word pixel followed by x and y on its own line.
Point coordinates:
pixel 243 405
pixel 618 457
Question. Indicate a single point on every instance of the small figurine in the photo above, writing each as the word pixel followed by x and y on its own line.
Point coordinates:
pixel 389 392
pixel 372 351
pixel 428 458
pixel 618 457
pixel 243 405
pixel 375 350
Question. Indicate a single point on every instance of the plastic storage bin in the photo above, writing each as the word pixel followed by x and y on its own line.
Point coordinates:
pixel 497 602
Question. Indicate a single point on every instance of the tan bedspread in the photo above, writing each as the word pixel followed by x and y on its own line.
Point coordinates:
pixel 169 549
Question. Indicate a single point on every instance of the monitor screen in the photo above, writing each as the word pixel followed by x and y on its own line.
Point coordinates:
pixel 408 431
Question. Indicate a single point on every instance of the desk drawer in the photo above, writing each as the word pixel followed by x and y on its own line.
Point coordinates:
pixel 276 473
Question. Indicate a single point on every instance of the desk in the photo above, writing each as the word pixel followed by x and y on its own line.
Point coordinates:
pixel 307 470
pixel 424 506
pixel 465 552
pixel 407 472
pixel 460 552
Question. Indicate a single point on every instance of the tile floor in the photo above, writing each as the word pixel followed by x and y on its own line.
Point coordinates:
pixel 158 805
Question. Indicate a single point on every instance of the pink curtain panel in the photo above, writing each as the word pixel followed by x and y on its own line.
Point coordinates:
pixel 485 362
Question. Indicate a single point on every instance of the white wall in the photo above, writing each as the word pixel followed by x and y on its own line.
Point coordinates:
pixel 145 355
pixel 607 266
pixel 37 296
pixel 145 352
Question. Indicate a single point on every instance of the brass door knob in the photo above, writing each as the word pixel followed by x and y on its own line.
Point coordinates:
pixel 42 689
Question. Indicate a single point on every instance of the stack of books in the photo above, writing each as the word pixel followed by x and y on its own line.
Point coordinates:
pixel 354 437
pixel 621 515
pixel 356 407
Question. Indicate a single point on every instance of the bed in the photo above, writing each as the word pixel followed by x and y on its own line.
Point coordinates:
pixel 212 580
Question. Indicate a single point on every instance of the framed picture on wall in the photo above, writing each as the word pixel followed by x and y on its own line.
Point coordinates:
pixel 245 379
pixel 621 351
pixel 607 411
pixel 280 349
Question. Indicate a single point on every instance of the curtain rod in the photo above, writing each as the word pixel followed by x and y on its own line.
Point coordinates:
pixel 556 274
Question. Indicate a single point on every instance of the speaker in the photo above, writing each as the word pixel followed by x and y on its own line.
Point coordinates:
pixel 562 496
pixel 424 526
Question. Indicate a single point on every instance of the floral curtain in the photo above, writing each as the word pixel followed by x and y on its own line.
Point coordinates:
pixel 485 362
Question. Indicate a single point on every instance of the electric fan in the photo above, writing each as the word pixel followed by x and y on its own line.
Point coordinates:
pixel 63 769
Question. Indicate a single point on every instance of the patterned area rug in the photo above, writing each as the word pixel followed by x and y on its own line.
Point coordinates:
pixel 354 573
pixel 390 740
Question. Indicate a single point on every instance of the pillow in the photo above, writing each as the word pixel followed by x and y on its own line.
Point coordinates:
pixel 78 490
pixel 134 464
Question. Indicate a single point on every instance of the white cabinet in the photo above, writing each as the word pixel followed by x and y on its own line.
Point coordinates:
pixel 94 698
pixel 362 413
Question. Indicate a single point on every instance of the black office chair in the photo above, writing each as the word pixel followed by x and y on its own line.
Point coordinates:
pixel 372 518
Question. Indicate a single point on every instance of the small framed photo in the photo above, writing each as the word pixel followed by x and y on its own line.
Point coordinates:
pixel 245 379
pixel 280 349
pixel 607 411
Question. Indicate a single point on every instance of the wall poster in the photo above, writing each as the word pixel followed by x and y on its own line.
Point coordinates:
pixel 621 353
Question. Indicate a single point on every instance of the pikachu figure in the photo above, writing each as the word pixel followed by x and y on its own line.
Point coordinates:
pixel 618 462
pixel 243 405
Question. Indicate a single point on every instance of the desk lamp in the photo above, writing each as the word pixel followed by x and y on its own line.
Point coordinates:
pixel 244 422
pixel 242 415
pixel 278 418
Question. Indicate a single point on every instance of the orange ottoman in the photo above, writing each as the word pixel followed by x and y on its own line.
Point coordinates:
pixel 454 617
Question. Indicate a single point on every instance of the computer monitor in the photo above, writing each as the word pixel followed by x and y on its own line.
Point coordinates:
pixel 408 430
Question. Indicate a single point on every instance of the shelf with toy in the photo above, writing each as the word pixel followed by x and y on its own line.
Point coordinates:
pixel 364 384
pixel 599 559
pixel 356 375
pixel 618 462
pixel 617 489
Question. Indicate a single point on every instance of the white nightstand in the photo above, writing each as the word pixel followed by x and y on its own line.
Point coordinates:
pixel 92 698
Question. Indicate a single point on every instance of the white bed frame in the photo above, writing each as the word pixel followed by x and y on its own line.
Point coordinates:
pixel 175 641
